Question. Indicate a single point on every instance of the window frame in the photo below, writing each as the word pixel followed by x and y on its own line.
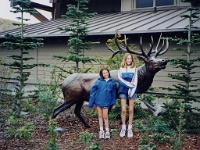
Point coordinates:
pixel 154 4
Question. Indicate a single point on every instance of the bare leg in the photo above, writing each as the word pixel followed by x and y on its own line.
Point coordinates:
pixel 123 111
pixel 106 121
pixel 100 116
pixel 131 110
pixel 105 118
pixel 123 117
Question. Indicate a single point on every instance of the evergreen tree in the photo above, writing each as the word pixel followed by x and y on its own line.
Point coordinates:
pixel 21 45
pixel 186 91
pixel 78 16
pixel 194 3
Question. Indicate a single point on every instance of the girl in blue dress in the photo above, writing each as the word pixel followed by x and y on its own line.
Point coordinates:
pixel 103 96
pixel 127 76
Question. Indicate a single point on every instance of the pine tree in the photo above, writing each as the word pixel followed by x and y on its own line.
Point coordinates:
pixel 186 91
pixel 77 42
pixel 22 45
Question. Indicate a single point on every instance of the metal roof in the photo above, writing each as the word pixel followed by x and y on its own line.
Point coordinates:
pixel 131 22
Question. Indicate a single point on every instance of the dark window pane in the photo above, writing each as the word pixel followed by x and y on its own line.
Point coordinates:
pixel 164 2
pixel 98 6
pixel 144 3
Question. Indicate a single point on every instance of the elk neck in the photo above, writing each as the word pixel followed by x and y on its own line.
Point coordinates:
pixel 145 78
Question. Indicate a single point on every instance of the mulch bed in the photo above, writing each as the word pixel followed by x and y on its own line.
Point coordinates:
pixel 69 139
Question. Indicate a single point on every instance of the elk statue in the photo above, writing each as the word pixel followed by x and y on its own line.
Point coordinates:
pixel 76 87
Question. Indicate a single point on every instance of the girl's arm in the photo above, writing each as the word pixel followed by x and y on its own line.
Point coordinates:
pixel 93 93
pixel 133 81
pixel 114 94
pixel 124 82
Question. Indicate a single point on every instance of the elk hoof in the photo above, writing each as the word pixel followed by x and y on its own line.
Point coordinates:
pixel 53 116
pixel 87 126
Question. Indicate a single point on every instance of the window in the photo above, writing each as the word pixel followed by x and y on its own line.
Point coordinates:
pixel 144 3
pixel 153 3
pixel 164 3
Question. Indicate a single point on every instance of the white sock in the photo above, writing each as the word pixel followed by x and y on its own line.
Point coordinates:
pixel 107 129
pixel 124 127
pixel 129 126
pixel 101 128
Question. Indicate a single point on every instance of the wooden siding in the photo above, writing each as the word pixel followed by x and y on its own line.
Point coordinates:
pixel 45 55
pixel 161 78
pixel 58 46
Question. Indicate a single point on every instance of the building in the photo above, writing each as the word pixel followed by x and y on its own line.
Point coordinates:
pixel 134 18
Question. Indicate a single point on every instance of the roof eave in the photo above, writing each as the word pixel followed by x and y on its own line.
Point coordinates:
pixel 111 33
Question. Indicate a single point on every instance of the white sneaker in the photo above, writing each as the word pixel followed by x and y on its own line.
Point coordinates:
pixel 101 134
pixel 107 135
pixel 130 133
pixel 123 132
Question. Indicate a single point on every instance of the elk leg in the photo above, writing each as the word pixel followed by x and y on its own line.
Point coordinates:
pixel 77 112
pixel 61 108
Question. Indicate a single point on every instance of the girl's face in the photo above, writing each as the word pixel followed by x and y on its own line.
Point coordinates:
pixel 128 60
pixel 105 74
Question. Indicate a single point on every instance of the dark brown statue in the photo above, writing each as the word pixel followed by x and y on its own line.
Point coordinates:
pixel 76 87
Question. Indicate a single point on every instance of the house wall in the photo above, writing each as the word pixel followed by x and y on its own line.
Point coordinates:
pixel 126 5
pixel 111 5
pixel 59 47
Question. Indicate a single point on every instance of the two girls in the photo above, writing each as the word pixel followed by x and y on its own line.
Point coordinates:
pixel 103 95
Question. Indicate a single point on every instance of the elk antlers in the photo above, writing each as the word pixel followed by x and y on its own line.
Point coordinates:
pixel 162 49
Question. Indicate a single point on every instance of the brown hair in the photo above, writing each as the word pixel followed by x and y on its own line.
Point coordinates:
pixel 123 64
pixel 101 72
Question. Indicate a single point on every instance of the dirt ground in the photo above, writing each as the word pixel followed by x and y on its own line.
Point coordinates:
pixel 69 139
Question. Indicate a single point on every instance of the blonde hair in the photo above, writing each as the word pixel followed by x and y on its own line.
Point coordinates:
pixel 123 63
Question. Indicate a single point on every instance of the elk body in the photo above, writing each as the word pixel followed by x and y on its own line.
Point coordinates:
pixel 76 87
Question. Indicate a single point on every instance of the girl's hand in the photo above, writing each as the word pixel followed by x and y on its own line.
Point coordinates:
pixel 132 83
pixel 113 107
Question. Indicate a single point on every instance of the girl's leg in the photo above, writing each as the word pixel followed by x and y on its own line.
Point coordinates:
pixel 131 112
pixel 123 117
pixel 105 118
pixel 106 121
pixel 123 111
pixel 100 118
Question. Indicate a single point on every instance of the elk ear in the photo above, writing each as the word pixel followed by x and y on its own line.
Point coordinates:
pixel 141 58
